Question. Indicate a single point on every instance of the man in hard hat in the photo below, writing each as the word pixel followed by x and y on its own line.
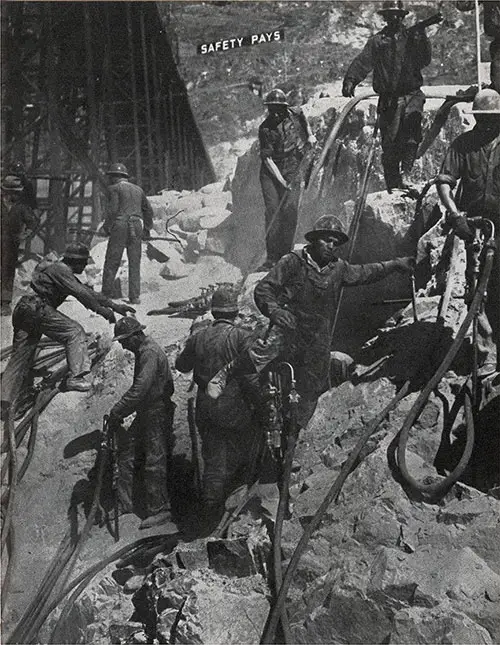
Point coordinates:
pixel 473 163
pixel 37 314
pixel 226 426
pixel 300 296
pixel 396 55
pixel 15 217
pixel 283 137
pixel 129 220
pixel 150 434
pixel 491 22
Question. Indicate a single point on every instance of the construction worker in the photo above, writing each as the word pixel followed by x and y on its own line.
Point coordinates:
pixel 491 22
pixel 150 435
pixel 37 314
pixel 473 162
pixel 28 196
pixel 15 216
pixel 300 296
pixel 226 426
pixel 129 221
pixel 396 55
pixel 283 137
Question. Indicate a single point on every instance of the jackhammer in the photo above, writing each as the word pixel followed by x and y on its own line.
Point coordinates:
pixel 110 453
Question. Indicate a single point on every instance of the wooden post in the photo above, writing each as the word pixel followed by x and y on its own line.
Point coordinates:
pixel 133 85
pixel 147 97
pixel 160 139
pixel 92 111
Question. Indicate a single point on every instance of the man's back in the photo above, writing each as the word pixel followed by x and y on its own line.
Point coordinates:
pixel 126 199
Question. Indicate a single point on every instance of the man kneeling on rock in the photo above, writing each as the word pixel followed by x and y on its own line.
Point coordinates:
pixel 150 434
pixel 226 425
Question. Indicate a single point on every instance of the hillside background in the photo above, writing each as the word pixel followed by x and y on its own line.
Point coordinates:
pixel 321 38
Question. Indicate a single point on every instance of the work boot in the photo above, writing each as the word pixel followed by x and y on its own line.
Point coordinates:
pixel 163 518
pixel 134 301
pixel 78 384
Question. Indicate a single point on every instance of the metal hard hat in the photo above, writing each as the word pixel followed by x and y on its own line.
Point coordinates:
pixel 393 6
pixel 486 102
pixel 126 327
pixel 12 184
pixel 17 168
pixel 118 169
pixel 76 251
pixel 276 97
pixel 327 225
pixel 225 300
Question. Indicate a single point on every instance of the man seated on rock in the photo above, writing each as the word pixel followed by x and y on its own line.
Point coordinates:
pixel 150 435
pixel 226 425
pixel 300 297
pixel 473 162
pixel 37 314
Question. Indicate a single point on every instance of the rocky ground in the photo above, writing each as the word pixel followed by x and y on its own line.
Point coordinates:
pixel 385 566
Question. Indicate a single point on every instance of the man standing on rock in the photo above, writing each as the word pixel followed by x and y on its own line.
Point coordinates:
pixel 150 435
pixel 396 55
pixel 300 297
pixel 473 159
pixel 38 314
pixel 283 137
pixel 15 216
pixel 128 222
pixel 226 425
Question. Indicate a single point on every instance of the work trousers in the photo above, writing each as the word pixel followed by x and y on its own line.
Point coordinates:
pixel 148 440
pixel 31 318
pixel 124 234
pixel 495 64
pixel 280 225
pixel 400 123
pixel 10 250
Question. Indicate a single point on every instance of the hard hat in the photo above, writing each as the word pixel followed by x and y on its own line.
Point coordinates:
pixel 12 184
pixel 17 168
pixel 327 225
pixel 126 327
pixel 225 300
pixel 117 169
pixel 76 251
pixel 393 6
pixel 486 102
pixel 276 97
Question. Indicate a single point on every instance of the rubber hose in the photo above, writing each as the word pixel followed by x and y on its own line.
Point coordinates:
pixel 449 480
pixel 332 494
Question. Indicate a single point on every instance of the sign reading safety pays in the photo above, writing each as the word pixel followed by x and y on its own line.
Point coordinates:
pixel 242 41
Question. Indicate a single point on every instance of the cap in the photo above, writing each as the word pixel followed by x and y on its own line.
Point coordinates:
pixel 117 169
pixel 127 326
pixel 276 97
pixel 76 251
pixel 225 300
pixel 486 102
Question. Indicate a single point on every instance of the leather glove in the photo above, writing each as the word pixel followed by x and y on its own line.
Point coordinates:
pixel 146 235
pixel 405 265
pixel 284 319
pixel 461 228
pixel 107 313
pixel 348 88
pixel 123 309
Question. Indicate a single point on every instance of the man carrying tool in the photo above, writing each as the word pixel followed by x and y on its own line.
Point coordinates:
pixel 300 296
pixel 396 55
pixel 15 216
pixel 129 221
pixel 473 159
pixel 283 137
pixel 150 434
pixel 38 314
pixel 226 426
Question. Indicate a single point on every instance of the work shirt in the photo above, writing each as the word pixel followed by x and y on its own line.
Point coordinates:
pixel 474 159
pixel 284 141
pixel 128 200
pixel 396 59
pixel 311 293
pixel 153 384
pixel 53 282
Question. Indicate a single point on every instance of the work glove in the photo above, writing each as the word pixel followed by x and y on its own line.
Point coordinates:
pixel 107 313
pixel 146 235
pixel 123 309
pixel 284 319
pixel 461 228
pixel 348 88
pixel 405 265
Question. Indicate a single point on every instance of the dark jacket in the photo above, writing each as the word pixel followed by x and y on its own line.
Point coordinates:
pixel 128 200
pixel 153 384
pixel 396 60
pixel 284 141
pixel 312 296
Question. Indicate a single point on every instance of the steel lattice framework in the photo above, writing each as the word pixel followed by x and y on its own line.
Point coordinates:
pixel 90 83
